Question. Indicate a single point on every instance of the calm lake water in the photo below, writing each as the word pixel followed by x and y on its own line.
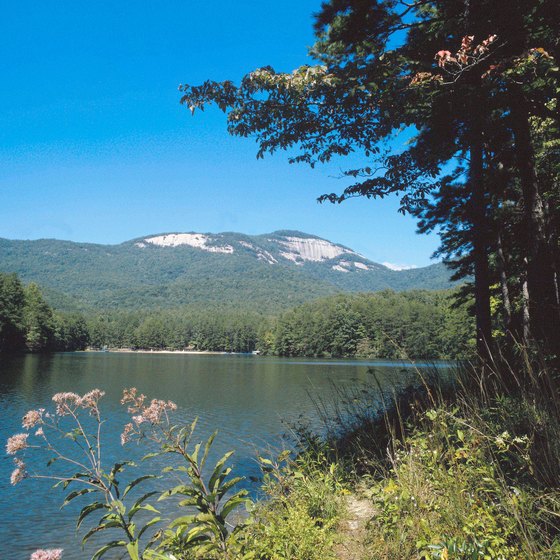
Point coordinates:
pixel 248 399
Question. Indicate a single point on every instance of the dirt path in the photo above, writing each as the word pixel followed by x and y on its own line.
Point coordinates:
pixel 359 511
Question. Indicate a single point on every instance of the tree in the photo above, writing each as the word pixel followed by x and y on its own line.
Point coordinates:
pixel 452 73
pixel 38 320
pixel 11 312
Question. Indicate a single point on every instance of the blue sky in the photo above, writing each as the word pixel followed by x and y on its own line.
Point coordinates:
pixel 94 145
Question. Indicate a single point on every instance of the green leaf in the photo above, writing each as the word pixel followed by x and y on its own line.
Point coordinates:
pixel 234 502
pixel 137 481
pixel 148 525
pixel 219 470
pixel 207 448
pixel 132 549
pixel 182 521
pixel 98 528
pixel 106 548
pixel 89 509
pixel 138 504
pixel 77 493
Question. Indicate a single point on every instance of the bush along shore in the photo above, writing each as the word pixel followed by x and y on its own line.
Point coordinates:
pixel 467 471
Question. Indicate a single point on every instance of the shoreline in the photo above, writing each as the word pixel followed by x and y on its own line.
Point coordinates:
pixel 131 351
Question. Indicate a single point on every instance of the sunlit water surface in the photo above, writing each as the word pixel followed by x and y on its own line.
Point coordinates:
pixel 249 399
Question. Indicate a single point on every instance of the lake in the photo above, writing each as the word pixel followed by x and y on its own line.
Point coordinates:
pixel 248 399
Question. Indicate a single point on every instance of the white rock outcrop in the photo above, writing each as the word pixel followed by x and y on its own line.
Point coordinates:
pixel 198 240
pixel 310 249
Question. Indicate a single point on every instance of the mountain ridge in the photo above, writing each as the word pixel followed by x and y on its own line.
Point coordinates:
pixel 268 271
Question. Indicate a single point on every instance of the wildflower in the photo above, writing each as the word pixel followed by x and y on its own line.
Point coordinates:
pixel 19 473
pixel 32 418
pixel 90 400
pixel 16 443
pixel 66 401
pixel 130 396
pixel 50 554
pixel 154 412
pixel 39 432
pixel 125 436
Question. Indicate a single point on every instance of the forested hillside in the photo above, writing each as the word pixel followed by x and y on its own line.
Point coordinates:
pixel 27 322
pixel 265 273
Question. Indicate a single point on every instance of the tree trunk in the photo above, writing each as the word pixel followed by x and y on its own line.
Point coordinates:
pixel 541 280
pixel 501 262
pixel 480 230
pixel 526 317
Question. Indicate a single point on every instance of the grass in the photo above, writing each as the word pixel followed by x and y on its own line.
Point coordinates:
pixel 463 471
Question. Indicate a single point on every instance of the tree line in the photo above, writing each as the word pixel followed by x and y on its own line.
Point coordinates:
pixel 28 323
pixel 390 325
pixel 475 86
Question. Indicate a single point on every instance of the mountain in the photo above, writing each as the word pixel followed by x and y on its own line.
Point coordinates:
pixel 265 272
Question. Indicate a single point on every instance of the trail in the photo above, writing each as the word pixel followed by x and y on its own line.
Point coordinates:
pixel 359 511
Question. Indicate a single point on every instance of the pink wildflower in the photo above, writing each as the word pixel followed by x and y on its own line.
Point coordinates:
pixel 19 473
pixel 32 418
pixel 154 412
pixel 16 443
pixel 90 400
pixel 39 432
pixel 130 396
pixel 125 436
pixel 50 554
pixel 65 402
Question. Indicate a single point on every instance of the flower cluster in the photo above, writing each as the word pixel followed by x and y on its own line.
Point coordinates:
pixel 32 418
pixel 67 403
pixel 19 473
pixel 50 554
pixel 16 443
pixel 153 413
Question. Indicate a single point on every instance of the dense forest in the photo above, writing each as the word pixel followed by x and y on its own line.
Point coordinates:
pixel 27 322
pixel 415 324
pixel 382 325
pixel 387 324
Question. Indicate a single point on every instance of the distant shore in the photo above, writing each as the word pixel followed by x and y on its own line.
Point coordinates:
pixel 131 351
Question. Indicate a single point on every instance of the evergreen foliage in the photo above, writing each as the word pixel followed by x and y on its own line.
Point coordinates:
pixel 27 322
pixel 390 325
pixel 385 325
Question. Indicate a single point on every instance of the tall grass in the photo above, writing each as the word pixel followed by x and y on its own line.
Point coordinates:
pixel 463 469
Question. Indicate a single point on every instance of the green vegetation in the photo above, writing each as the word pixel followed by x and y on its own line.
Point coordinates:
pixel 27 322
pixel 386 325
pixel 188 328
pixel 383 325
pixel 469 471
pixel 389 325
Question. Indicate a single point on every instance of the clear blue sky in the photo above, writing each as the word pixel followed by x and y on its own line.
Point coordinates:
pixel 94 145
